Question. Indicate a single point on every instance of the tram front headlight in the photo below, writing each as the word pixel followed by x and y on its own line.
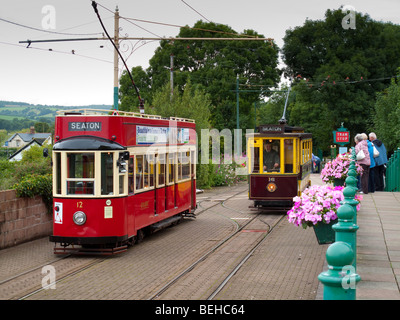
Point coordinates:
pixel 271 187
pixel 79 218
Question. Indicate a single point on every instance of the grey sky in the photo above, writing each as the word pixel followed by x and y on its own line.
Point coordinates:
pixel 39 76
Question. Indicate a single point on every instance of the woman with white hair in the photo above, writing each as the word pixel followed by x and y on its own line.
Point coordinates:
pixel 380 162
pixel 362 145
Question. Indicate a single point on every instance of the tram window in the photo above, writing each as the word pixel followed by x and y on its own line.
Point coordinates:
pixel 271 155
pixel 255 163
pixel 183 166
pixel 80 165
pixel 80 173
pixel 171 168
pixel 121 184
pixel 151 172
pixel 131 167
pixel 58 172
pixel 288 155
pixel 193 163
pixel 161 171
pixel 139 172
pixel 145 172
pixel 107 174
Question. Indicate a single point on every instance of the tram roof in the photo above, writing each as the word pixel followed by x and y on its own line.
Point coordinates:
pixel 103 112
pixel 280 130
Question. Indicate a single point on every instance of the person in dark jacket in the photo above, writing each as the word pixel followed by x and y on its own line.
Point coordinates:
pixel 380 161
pixel 371 177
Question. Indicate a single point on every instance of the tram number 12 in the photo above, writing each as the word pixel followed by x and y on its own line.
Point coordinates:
pixel 79 204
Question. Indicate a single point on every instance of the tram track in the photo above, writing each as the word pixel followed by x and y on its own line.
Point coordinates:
pixel 21 286
pixel 243 222
pixel 239 228
pixel 66 276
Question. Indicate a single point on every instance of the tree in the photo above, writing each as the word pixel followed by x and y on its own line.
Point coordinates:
pixel 339 70
pixel 213 66
pixel 127 93
pixel 192 103
pixel 387 116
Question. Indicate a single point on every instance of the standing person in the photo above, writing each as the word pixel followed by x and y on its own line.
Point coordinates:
pixel 362 144
pixel 371 181
pixel 380 162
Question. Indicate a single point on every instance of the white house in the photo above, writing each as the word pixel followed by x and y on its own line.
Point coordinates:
pixel 17 156
pixel 18 140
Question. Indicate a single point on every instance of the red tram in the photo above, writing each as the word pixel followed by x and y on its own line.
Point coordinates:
pixel 117 176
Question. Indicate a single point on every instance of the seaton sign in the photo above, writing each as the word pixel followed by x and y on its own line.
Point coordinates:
pixel 84 126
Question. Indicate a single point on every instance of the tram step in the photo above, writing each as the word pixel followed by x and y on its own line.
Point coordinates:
pixel 165 223
pixel 89 251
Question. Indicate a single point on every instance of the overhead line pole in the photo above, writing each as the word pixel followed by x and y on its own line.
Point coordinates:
pixel 116 41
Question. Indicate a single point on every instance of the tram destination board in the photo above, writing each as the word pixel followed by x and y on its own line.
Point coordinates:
pixel 84 126
pixel 272 128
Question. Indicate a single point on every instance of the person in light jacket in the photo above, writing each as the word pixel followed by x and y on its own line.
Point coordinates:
pixel 362 144
pixel 380 161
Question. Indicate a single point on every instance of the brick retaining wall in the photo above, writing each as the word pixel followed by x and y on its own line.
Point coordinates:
pixel 22 219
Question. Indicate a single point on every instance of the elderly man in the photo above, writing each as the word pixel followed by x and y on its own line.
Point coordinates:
pixel 380 161
pixel 270 157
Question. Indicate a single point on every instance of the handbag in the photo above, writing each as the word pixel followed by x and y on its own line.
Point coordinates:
pixel 376 152
pixel 360 155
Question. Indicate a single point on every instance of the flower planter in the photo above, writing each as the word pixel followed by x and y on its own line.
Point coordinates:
pixel 338 182
pixel 324 232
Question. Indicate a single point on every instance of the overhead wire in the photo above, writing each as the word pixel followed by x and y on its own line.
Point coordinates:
pixel 195 10
pixel 47 31
pixel 56 51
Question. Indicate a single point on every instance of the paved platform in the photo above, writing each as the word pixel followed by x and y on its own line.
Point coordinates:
pixel 289 271
pixel 378 246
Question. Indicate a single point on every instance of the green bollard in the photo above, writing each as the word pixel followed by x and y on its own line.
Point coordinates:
pixel 349 193
pixel 340 279
pixel 345 229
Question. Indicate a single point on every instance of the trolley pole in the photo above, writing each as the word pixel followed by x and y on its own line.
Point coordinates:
pixel 116 41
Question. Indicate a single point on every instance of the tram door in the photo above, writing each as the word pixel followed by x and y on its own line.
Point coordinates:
pixel 193 180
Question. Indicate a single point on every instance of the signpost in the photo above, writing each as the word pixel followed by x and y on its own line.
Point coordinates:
pixel 341 137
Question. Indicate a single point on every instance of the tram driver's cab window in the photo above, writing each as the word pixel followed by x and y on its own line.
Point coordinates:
pixel 271 155
pixel 80 173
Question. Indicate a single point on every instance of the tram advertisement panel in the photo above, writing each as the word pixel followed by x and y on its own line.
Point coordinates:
pixel 149 135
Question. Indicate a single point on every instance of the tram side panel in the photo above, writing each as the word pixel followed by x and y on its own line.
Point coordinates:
pixel 105 220
pixel 184 193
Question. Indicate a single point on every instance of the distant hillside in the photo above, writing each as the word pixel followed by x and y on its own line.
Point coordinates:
pixel 44 113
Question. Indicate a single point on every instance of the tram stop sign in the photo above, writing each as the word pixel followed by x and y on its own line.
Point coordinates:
pixel 341 136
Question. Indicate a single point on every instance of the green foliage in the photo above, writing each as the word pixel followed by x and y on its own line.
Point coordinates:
pixel 341 70
pixel 7 177
pixel 224 174
pixel 32 185
pixel 387 116
pixel 30 177
pixel 213 67
pixel 193 103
